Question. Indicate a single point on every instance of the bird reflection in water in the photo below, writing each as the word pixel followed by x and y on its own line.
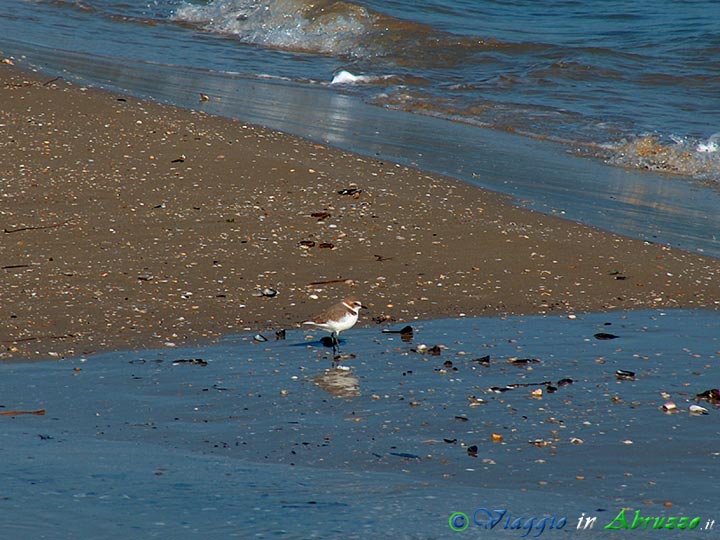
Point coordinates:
pixel 339 382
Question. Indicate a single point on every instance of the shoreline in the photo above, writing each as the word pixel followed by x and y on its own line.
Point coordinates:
pixel 131 224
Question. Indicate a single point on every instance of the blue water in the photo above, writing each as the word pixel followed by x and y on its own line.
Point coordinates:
pixel 268 441
pixel 504 94
pixel 598 76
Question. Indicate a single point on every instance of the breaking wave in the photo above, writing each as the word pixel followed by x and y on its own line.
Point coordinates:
pixel 686 156
pixel 554 92
pixel 317 26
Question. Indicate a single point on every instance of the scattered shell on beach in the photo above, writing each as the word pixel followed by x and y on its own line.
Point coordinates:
pixel 496 437
pixel 190 361
pixel 625 375
pixel 712 395
pixel 523 361
pixel 540 443
pixel 321 216
pixel 266 292
pixel 576 440
pixel 697 409
pixel 353 191
pixel 537 393
pixel 670 407
pixel 483 360
pixel 476 401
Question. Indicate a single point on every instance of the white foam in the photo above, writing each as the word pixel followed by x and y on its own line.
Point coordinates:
pixel 285 24
pixel 711 145
pixel 345 77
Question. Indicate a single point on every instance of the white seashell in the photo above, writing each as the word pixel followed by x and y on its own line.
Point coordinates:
pixel 697 409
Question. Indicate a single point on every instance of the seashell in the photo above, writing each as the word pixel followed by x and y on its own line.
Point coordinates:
pixel 476 401
pixel 712 395
pixel 523 361
pixel 697 409
pixel 483 360
pixel 669 407
pixel 259 337
pixel 625 375
pixel 267 291
pixel 540 443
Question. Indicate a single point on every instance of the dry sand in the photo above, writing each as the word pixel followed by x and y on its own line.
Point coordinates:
pixel 128 224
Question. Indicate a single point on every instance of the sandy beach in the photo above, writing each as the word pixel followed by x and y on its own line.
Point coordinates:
pixel 549 377
pixel 127 224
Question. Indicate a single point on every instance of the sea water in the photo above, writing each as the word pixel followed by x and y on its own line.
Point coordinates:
pixel 504 94
pixel 635 82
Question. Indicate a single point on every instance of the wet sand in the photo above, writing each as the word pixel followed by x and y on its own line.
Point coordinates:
pixel 266 440
pixel 127 224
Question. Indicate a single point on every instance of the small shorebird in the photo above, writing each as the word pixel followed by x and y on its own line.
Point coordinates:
pixel 336 318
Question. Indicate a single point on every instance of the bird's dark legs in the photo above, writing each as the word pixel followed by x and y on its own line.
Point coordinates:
pixel 336 346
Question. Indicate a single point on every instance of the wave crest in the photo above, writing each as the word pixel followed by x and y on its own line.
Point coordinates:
pixel 681 155
pixel 332 27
